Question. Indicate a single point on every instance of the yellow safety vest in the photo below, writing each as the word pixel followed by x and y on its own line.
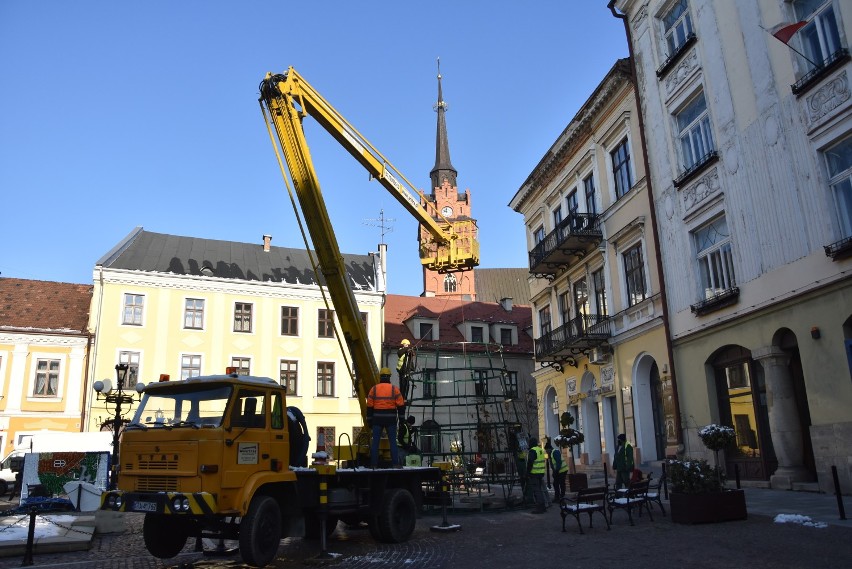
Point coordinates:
pixel 538 466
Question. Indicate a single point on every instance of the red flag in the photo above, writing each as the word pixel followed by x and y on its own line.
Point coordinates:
pixel 784 31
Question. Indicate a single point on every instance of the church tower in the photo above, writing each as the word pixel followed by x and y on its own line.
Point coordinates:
pixel 452 205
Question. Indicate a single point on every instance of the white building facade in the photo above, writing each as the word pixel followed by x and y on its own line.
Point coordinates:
pixel 750 150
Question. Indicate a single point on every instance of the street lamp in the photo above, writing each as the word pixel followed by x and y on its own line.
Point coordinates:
pixel 121 400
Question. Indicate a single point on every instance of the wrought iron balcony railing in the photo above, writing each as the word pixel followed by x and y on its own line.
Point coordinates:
pixel 571 239
pixel 576 336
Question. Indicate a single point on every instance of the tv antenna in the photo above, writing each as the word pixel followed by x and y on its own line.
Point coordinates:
pixel 381 222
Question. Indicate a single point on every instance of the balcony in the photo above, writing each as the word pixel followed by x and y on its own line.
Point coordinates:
pixel 831 63
pixel 716 301
pixel 839 250
pixel 571 240
pixel 575 337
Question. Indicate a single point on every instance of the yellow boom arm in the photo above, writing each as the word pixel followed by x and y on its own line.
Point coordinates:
pixel 285 100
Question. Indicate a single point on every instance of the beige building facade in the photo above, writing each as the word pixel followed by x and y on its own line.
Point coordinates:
pixel 600 342
pixel 750 148
pixel 184 306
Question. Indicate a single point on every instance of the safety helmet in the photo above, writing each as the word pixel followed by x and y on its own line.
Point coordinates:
pixel 384 371
pixel 405 342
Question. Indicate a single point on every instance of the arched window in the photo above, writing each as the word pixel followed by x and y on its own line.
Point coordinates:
pixel 450 283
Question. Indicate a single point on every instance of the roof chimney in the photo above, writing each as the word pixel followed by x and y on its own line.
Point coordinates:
pixel 506 303
pixel 266 240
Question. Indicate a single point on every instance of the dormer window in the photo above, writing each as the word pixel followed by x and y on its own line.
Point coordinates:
pixel 477 333
pixel 425 331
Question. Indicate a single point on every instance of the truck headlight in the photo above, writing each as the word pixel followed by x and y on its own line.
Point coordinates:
pixel 180 504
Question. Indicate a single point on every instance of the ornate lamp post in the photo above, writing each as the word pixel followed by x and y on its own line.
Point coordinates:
pixel 122 400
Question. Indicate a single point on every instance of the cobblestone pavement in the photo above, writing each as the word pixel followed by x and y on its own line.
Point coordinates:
pixel 513 539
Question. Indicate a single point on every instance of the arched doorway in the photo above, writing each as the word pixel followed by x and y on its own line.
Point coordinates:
pixel 649 408
pixel 551 413
pixel 590 413
pixel 741 400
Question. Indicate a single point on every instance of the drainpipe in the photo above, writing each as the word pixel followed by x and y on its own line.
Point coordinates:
pixel 657 252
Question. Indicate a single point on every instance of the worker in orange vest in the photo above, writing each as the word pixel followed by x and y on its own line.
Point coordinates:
pixel 385 408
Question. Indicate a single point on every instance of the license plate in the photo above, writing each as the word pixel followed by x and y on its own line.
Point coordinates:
pixel 144 506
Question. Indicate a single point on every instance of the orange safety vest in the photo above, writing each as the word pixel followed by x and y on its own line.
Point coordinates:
pixel 385 396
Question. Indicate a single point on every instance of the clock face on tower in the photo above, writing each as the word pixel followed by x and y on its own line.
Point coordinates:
pixel 447 211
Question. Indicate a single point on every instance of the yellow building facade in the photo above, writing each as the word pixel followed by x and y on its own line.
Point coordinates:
pixel 215 305
pixel 598 303
pixel 44 347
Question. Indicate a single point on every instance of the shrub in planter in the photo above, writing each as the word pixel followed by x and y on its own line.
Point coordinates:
pixel 698 490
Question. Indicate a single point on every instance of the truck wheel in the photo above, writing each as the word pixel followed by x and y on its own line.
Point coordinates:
pixel 398 516
pixel 164 536
pixel 260 531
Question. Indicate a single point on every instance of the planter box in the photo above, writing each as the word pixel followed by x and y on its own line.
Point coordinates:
pixel 708 508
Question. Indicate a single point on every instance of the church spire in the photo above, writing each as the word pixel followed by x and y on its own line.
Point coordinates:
pixel 443 167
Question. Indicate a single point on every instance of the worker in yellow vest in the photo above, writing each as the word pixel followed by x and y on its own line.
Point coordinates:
pixel 536 467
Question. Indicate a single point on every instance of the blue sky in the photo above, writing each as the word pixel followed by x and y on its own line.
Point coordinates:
pixel 122 114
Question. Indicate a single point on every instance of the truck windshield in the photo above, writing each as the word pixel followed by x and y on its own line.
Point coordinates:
pixel 197 408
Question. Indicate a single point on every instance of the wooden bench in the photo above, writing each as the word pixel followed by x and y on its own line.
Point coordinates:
pixel 634 497
pixel 588 501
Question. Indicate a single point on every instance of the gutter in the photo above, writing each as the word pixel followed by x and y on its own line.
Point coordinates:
pixel 653 213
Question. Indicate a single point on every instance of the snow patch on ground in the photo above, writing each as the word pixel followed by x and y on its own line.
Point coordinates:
pixel 45 526
pixel 798 519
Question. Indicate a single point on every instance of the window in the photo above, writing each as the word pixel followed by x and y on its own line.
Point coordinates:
pixel 477 333
pixel 241 365
pixel 193 314
pixel 506 336
pixel 425 330
pixel 190 366
pixel 288 376
pixel 589 190
pixel 325 379
pixel 621 175
pixel 599 283
pixel 242 317
pixel 565 307
pixel 289 321
pixel 364 320
pixel 581 300
pixel 538 235
pixel 839 160
pixel 678 26
pixel 480 385
pixel 47 378
pixel 133 305
pixel 511 386
pixel 544 321
pixel 693 125
pixel 249 409
pixel 820 37
pixel 430 390
pixel 634 272
pixel 325 323
pixel 715 257
pixel 573 205
pixel 557 216
pixel 132 361
pixel 450 283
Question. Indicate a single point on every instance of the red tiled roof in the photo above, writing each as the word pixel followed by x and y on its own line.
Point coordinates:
pixel 44 305
pixel 450 313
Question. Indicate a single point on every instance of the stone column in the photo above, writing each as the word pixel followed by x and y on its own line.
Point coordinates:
pixel 783 418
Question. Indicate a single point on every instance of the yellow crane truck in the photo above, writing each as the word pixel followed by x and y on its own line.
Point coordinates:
pixel 223 456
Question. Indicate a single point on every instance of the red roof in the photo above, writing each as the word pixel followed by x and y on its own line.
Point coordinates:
pixel 450 313
pixel 44 306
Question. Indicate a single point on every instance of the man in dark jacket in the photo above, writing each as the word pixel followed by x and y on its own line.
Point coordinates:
pixel 622 464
